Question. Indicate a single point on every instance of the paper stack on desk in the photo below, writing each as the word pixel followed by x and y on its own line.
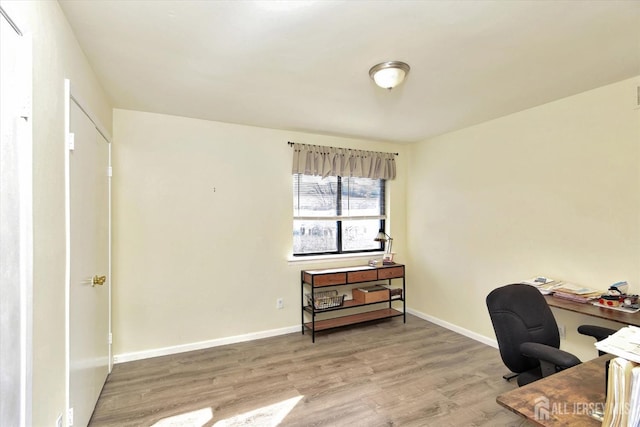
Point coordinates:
pixel 575 293
pixel 623 385
pixel 634 407
pixel 544 284
pixel 625 343
pixel 620 408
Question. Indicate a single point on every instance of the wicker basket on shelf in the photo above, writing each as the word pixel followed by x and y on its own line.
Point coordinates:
pixel 325 299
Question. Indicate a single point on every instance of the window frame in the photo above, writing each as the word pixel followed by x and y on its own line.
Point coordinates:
pixel 339 243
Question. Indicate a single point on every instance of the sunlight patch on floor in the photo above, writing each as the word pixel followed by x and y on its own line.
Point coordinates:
pixel 188 419
pixel 267 416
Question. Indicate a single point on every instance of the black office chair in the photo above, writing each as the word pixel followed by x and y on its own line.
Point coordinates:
pixel 527 333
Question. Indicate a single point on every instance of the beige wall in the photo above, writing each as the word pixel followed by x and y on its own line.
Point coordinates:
pixel 56 56
pixel 554 190
pixel 202 215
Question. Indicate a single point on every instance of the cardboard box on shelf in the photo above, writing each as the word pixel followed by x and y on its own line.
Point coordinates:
pixel 370 294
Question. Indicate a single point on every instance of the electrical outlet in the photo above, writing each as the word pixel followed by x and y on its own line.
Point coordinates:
pixel 280 303
pixel 562 330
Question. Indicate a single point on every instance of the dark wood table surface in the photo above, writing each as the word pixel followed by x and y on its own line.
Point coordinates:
pixel 567 397
pixel 592 310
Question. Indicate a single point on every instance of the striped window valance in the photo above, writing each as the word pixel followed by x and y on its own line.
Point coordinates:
pixel 332 161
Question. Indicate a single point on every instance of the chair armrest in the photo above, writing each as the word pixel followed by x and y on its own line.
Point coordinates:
pixel 551 359
pixel 598 332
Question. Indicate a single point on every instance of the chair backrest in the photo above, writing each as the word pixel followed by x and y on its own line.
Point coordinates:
pixel 519 314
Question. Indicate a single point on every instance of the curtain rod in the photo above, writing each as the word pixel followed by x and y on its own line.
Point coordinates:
pixel 10 21
pixel 291 144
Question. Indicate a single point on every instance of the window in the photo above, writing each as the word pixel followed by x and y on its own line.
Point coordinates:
pixel 335 215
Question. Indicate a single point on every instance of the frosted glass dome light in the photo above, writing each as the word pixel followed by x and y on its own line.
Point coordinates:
pixel 389 74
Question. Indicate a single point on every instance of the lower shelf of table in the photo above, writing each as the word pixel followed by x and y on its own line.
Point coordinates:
pixel 352 319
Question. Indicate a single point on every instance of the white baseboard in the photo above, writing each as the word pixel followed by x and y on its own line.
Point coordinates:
pixel 467 333
pixel 165 351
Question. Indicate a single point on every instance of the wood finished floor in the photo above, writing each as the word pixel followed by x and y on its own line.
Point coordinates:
pixel 380 374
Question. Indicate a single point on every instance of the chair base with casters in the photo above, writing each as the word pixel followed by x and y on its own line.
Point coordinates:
pixel 527 333
pixel 509 376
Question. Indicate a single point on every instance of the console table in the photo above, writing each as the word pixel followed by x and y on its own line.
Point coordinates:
pixel 382 304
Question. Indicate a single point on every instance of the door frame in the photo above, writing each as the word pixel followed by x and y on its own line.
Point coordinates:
pixel 16 245
pixel 69 97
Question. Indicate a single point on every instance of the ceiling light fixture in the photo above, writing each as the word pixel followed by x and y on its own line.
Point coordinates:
pixel 389 74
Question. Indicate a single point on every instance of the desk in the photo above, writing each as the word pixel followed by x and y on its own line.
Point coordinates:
pixel 592 310
pixel 566 396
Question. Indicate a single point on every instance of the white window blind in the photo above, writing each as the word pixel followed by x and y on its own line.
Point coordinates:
pixel 337 214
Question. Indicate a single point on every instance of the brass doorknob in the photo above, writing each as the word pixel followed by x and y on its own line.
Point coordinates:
pixel 98 280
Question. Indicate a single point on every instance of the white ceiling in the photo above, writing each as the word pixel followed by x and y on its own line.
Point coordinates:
pixel 303 65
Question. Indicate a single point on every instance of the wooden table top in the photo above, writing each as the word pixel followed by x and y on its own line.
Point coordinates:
pixel 566 397
pixel 591 310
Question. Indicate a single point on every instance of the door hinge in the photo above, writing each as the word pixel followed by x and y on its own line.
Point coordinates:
pixel 70 417
pixel 110 338
pixel 71 141
pixel 109 171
